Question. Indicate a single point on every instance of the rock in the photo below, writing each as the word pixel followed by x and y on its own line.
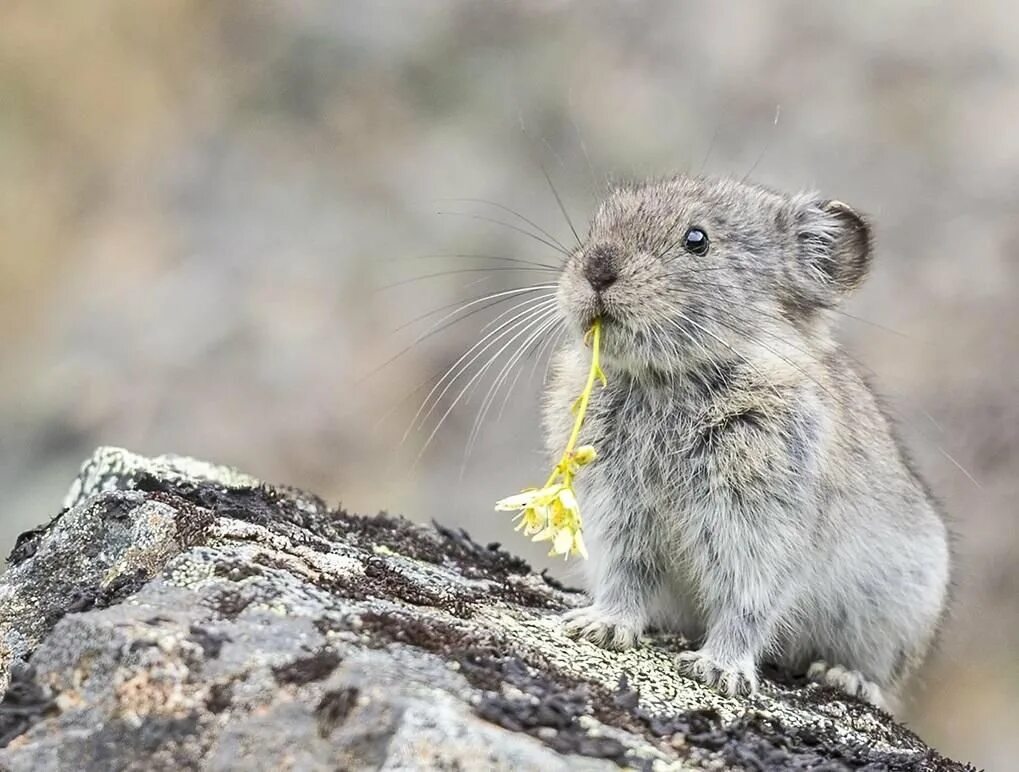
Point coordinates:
pixel 178 615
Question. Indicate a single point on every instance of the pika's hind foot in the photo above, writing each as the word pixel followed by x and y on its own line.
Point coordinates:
pixel 852 682
pixel 731 680
pixel 603 629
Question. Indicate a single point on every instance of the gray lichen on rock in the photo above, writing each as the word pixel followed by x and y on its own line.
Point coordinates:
pixel 181 615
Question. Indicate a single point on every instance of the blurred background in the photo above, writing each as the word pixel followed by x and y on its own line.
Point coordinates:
pixel 212 215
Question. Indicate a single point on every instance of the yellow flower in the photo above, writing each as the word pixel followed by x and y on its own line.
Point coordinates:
pixel 552 513
pixel 563 525
pixel 534 505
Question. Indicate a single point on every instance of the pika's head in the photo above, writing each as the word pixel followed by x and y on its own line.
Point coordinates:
pixel 692 269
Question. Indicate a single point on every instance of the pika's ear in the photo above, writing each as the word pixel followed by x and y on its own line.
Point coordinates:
pixel 833 241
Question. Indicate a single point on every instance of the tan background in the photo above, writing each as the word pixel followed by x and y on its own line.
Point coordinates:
pixel 199 203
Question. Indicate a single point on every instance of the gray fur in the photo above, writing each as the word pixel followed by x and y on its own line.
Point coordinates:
pixel 749 491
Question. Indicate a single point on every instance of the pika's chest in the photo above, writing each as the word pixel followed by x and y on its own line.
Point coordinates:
pixel 642 438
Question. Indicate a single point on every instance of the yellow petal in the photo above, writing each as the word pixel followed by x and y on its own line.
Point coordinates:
pixel 519 501
pixel 568 501
pixel 584 455
pixel 528 498
pixel 547 533
pixel 534 524
pixel 579 548
pixel 562 542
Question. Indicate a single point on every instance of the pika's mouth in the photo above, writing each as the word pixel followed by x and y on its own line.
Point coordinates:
pixel 614 332
pixel 596 308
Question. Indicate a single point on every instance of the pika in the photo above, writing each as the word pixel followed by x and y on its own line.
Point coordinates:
pixel 749 491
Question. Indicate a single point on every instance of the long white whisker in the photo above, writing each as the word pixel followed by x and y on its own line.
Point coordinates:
pixel 725 343
pixel 548 322
pixel 767 295
pixel 454 371
pixel 773 352
pixel 550 343
pixel 548 362
pixel 458 271
pixel 511 226
pixel 508 311
pixel 495 297
pixel 513 212
pixel 465 388
pixel 473 256
pixel 559 201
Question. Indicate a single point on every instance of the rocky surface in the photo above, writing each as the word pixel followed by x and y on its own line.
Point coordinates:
pixel 178 615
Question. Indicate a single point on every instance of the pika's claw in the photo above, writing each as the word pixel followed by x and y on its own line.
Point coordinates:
pixel 852 682
pixel 732 680
pixel 602 629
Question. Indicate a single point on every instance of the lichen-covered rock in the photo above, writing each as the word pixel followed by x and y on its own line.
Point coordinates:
pixel 178 615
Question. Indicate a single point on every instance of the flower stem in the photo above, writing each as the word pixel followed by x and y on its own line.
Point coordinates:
pixel 585 397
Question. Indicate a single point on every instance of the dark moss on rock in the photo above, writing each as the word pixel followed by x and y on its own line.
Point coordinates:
pixel 25 702
pixel 210 641
pixel 220 697
pixel 540 703
pixel 304 670
pixel 333 709
pixel 118 589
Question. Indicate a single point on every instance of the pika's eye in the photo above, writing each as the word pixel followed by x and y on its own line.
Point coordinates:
pixel 696 241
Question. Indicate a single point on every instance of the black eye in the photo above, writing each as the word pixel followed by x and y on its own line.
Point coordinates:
pixel 696 241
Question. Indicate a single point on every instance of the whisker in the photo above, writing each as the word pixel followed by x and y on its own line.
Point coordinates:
pixel 767 146
pixel 596 192
pixel 431 379
pixel 764 293
pixel 455 370
pixel 711 147
pixel 548 179
pixel 513 212
pixel 727 345
pixel 559 201
pixel 509 225
pixel 864 366
pixel 470 256
pixel 519 332
pixel 834 397
pixel 700 345
pixel 766 381
pixel 959 466
pixel 440 309
pixel 551 356
pixel 457 271
pixel 495 298
pixel 548 323
pixel 664 240
pixel 773 352
pixel 840 402
pixel 507 312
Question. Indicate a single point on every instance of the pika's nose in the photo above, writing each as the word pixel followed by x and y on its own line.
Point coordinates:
pixel 600 267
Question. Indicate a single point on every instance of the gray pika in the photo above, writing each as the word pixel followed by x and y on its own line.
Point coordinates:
pixel 749 491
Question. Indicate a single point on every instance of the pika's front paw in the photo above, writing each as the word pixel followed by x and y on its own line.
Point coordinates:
pixel 731 680
pixel 609 631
